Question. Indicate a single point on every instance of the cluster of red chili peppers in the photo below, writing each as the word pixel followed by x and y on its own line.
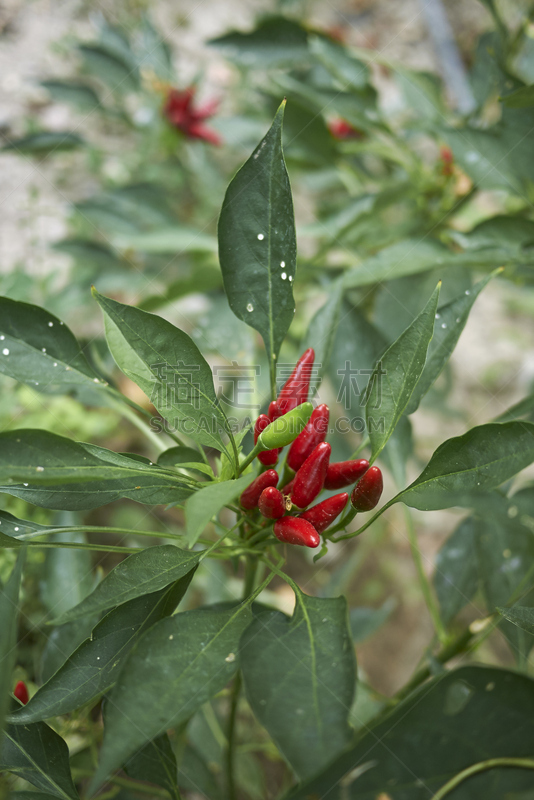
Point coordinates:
pixel 308 471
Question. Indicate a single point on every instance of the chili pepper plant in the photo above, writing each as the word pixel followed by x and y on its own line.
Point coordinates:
pixel 158 695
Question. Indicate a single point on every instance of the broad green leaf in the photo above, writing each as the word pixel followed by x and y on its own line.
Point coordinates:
pixel 274 42
pixel 67 577
pixel 322 329
pixel 128 210
pixel 349 72
pixel 416 750
pixel 39 755
pixel 38 349
pixel 396 375
pixel 109 67
pixel 155 763
pixel 521 98
pixel 522 616
pixel 299 677
pixel 139 574
pixel 89 253
pixel 95 665
pixel 167 365
pixel 79 94
pixel 173 669
pixel 257 242
pixel 205 503
pixel 44 142
pixel 399 450
pixel 450 322
pixel 169 240
pixel 524 408
pixel 69 475
pixel 184 457
pixel 456 574
pixel 365 621
pixel 481 459
pixel 195 775
pixel 154 52
pixel 9 604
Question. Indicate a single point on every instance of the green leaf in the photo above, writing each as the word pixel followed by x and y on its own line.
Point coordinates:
pixel 522 616
pixel 155 763
pixel 349 72
pixel 154 51
pixel 456 574
pixel 167 365
pixel 174 668
pixel 79 94
pixel 204 504
pixel 169 240
pixel 194 773
pixel 523 408
pixel 95 665
pixel 416 750
pixel 89 253
pixel 257 242
pixel 322 329
pixel 481 459
pixel 274 42
pixel 299 677
pixel 139 574
pixel 128 210
pixel 521 98
pixel 68 575
pixel 45 142
pixel 9 606
pixel 38 349
pixel 366 621
pixel 400 367
pixel 69 475
pixel 39 755
pixel 109 67
pixel 450 322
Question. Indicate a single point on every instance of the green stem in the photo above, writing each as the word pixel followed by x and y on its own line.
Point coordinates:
pixel 250 458
pixel 101 548
pixel 482 766
pixel 362 446
pixel 248 587
pixel 424 583
pixel 364 527
pixel 99 529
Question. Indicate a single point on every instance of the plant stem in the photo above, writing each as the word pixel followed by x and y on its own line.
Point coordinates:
pixel 482 766
pixel 424 583
pixel 99 529
pixel 363 444
pixel 250 575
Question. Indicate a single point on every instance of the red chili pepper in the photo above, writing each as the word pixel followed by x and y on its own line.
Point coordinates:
pixel 181 112
pixel 313 434
pixel 273 412
pixel 323 514
pixel 251 495
pixel 309 480
pixel 366 493
pixel 296 388
pixel 343 473
pixel 267 457
pixel 288 488
pixel 271 503
pixel 21 692
pixel 294 530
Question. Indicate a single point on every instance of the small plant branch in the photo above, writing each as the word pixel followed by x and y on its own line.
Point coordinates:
pixel 482 766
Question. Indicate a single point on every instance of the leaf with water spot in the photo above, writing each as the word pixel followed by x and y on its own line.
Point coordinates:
pixel 257 241
pixel 300 676
pixel 9 604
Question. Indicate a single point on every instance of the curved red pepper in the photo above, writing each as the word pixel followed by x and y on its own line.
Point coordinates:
pixel 343 473
pixel 294 530
pixel 313 434
pixel 366 493
pixel 21 692
pixel 267 457
pixel 273 412
pixel 295 389
pixel 251 495
pixel 271 503
pixel 323 514
pixel 309 480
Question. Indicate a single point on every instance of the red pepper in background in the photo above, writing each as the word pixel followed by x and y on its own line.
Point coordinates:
pixel 313 434
pixel 180 112
pixel 267 457
pixel 341 129
pixel 296 388
pixel 271 503
pixel 251 495
pixel 323 514
pixel 273 412
pixel 343 473
pixel 310 478
pixel 367 492
pixel 447 161
pixel 294 530
pixel 288 488
pixel 21 692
